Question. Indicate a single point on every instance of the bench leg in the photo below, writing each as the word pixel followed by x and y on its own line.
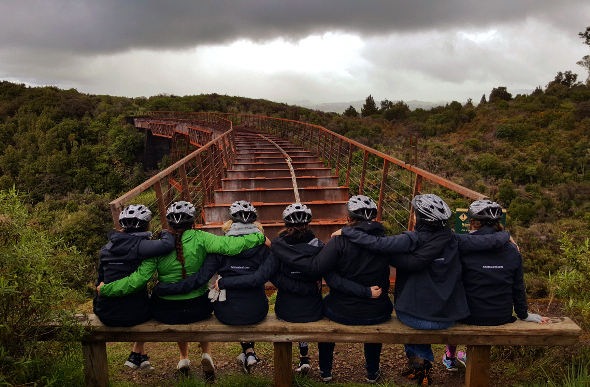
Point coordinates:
pixel 283 358
pixel 96 371
pixel 477 372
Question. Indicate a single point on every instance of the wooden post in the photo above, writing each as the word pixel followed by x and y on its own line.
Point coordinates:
pixel 96 369
pixel 477 373
pixel 338 158
pixel 282 363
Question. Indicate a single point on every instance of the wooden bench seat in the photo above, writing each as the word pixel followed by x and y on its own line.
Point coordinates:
pixel 556 332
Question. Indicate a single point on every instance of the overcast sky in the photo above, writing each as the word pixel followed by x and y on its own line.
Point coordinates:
pixel 293 50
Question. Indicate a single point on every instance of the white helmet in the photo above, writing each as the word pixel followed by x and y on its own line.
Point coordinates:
pixel 134 216
pixel 485 210
pixel 296 214
pixel 361 207
pixel 242 212
pixel 180 214
pixel 431 208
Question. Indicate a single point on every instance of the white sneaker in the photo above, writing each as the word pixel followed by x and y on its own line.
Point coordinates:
pixel 242 362
pixel 207 363
pixel 184 366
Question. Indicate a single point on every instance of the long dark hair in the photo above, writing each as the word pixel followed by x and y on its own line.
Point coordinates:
pixel 295 232
pixel 177 232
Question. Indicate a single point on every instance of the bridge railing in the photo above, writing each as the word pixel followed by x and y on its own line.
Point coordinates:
pixel 194 177
pixel 391 182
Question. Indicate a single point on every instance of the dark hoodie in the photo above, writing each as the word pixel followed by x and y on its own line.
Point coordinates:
pixel 118 259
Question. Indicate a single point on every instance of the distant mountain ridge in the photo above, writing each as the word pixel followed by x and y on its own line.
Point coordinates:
pixel 340 107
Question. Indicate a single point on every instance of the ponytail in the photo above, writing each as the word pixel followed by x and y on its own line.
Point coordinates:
pixel 179 249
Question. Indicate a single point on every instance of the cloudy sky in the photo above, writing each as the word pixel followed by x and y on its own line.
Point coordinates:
pixel 291 51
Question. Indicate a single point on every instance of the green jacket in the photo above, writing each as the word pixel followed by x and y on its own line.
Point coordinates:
pixel 196 245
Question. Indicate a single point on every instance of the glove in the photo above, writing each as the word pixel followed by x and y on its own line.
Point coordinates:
pixel 534 318
pixel 214 294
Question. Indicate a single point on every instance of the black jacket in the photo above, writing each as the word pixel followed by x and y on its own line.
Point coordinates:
pixel 428 282
pixel 299 296
pixel 494 283
pixel 244 305
pixel 351 262
pixel 118 259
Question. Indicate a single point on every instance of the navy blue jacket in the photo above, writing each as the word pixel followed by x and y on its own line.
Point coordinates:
pixel 118 259
pixel 353 263
pixel 494 283
pixel 243 306
pixel 428 282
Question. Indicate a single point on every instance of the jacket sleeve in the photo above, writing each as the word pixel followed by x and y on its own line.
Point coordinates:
pixel 132 283
pixel 343 285
pixel 313 265
pixel 424 256
pixel 282 282
pixel 154 248
pixel 469 243
pixel 192 282
pixel 254 280
pixel 519 291
pixel 231 245
pixel 401 243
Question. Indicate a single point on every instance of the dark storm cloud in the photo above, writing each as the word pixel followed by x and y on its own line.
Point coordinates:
pixel 95 26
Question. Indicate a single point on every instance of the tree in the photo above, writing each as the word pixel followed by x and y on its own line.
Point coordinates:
pixel 386 104
pixel 370 107
pixel 351 112
pixel 586 36
pixel 585 62
pixel 483 100
pixel 397 112
pixel 500 94
pixel 567 79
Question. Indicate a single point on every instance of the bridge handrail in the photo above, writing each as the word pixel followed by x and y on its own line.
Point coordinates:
pixel 211 161
pixel 318 138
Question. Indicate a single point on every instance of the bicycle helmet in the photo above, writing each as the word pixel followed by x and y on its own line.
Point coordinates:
pixel 135 216
pixel 243 212
pixel 485 210
pixel 431 208
pixel 180 214
pixel 361 207
pixel 296 214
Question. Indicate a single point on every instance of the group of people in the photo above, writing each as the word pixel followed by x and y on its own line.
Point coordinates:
pixel 442 277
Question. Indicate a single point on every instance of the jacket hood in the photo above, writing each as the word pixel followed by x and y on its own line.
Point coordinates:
pixel 371 227
pixel 121 243
pixel 307 248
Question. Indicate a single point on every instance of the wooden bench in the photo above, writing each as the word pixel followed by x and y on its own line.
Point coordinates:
pixel 556 332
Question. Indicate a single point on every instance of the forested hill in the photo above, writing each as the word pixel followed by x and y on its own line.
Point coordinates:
pixel 71 152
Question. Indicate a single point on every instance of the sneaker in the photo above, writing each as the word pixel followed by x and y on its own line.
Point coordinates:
pixel 450 363
pixel 410 371
pixel 243 363
pixel 326 375
pixel 304 366
pixel 462 357
pixel 134 360
pixel 424 378
pixel 145 365
pixel 207 364
pixel 251 359
pixel 184 367
pixel 373 377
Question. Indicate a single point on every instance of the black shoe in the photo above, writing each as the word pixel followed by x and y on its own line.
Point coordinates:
pixel 304 366
pixel 145 365
pixel 373 377
pixel 411 371
pixel 423 374
pixel 134 360
pixel 326 375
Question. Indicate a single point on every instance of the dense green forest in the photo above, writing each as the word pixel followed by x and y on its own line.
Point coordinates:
pixel 64 155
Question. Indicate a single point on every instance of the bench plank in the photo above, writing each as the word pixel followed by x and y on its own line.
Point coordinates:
pixel 556 332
